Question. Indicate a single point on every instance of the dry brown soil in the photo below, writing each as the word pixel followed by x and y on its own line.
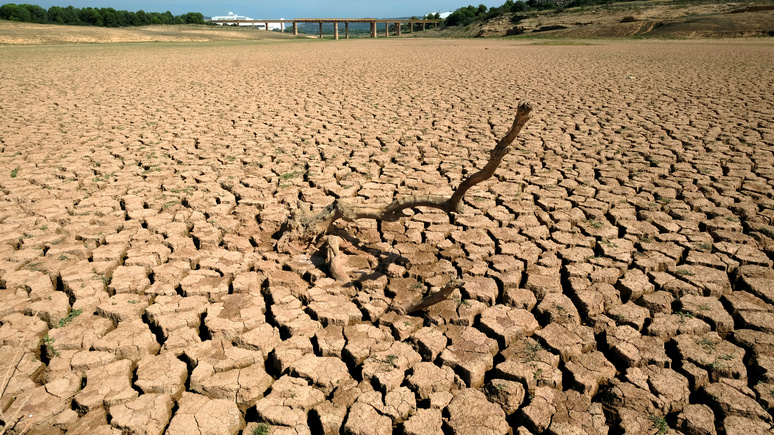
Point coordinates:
pixel 12 33
pixel 618 270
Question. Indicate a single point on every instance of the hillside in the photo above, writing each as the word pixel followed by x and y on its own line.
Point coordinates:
pixel 13 33
pixel 658 18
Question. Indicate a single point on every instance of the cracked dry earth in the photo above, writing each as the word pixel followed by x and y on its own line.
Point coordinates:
pixel 618 268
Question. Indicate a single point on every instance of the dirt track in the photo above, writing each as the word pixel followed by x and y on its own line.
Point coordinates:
pixel 618 273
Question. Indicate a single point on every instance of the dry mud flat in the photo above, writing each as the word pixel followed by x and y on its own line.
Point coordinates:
pixel 618 273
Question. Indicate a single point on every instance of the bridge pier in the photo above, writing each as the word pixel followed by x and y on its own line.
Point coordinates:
pixel 267 25
pixel 346 30
pixel 320 29
pixel 295 28
pixel 373 30
pixel 397 29
pixel 336 31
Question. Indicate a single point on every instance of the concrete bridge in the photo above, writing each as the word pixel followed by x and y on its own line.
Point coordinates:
pixel 373 21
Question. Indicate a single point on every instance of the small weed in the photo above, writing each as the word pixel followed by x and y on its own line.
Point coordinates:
pixel 49 343
pixel 707 344
pixel 705 246
pixel 659 423
pixel 726 357
pixel 530 351
pixel 767 232
pixel 73 314
pixel 496 388
pixel 732 219
pixel 684 272
pixel 168 204
pixel 683 315
pixel 704 307
pixel 15 172
pixel 390 359
pixel 289 175
pixel 560 308
pixel 406 323
pixel 608 243
pixel 63 257
pixel 261 429
pixel 537 374
pixel 594 223
pixel 133 302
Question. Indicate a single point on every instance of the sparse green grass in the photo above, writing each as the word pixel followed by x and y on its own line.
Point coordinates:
pixel 530 351
pixel 767 232
pixel 684 315
pixel 608 243
pixel 594 223
pixel 15 172
pixel 659 423
pixel 261 429
pixel 707 344
pixel 684 272
pixel 49 343
pixel 72 315
pixel 288 175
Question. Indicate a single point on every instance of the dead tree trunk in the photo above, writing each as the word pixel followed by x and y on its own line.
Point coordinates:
pixel 303 229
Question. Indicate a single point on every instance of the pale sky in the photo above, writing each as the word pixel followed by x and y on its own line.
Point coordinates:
pixel 274 9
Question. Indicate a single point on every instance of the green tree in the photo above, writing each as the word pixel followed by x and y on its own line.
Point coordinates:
pixel 519 6
pixel 167 18
pixel 143 18
pixel 194 18
pixel 109 18
pixel 38 14
pixel 13 12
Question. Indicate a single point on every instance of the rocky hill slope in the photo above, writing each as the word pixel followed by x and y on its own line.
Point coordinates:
pixel 664 19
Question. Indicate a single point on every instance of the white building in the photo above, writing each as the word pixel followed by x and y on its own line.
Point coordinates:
pixel 234 17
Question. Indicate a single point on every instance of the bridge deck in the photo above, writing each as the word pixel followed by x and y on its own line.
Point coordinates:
pixel 335 21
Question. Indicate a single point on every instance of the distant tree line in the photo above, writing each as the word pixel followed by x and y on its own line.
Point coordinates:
pixel 103 17
pixel 469 14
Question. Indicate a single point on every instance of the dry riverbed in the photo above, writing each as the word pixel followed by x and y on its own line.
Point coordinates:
pixel 618 271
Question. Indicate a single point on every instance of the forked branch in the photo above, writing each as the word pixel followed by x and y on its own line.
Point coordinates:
pixel 300 227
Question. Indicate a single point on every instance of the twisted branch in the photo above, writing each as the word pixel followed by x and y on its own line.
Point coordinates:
pixel 308 229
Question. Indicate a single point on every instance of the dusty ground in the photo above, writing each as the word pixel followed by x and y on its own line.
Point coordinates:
pixel 618 273
pixel 12 33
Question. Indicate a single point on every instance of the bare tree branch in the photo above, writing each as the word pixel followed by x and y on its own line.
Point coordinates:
pixel 300 227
